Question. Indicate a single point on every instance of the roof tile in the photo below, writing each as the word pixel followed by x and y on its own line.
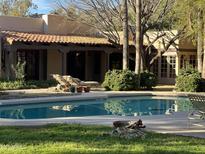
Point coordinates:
pixel 47 38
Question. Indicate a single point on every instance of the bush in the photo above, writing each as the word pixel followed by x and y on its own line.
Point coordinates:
pixel 40 84
pixel 19 70
pixel 148 80
pixel 120 80
pixel 188 80
pixel 19 84
pixel 11 85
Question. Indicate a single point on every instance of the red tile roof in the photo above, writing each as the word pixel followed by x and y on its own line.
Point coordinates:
pixel 12 36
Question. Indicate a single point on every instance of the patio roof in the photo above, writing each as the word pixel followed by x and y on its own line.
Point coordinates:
pixel 12 36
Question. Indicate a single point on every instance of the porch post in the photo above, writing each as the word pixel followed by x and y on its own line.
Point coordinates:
pixel 178 57
pixel 87 64
pixel 10 61
pixel 168 66
pixel 64 61
pixel 159 66
pixel 103 65
pixel 108 60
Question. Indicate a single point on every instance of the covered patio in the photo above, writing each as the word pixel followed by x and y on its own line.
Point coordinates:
pixel 84 57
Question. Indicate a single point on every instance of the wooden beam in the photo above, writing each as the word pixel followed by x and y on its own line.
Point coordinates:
pixel 61 47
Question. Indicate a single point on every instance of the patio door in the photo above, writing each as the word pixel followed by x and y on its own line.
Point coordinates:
pixel 168 69
pixel 76 64
pixel 31 57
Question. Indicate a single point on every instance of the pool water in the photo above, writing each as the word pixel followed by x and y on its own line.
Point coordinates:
pixel 127 106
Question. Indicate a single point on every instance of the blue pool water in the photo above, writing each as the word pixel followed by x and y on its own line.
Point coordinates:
pixel 127 106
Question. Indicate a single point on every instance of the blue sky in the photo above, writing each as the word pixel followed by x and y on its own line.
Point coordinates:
pixel 44 6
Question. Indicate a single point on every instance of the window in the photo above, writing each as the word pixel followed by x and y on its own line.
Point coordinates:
pixel 168 67
pixel 182 61
pixel 172 68
pixel 192 60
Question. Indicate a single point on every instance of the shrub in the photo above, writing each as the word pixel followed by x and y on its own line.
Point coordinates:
pixel 40 84
pixel 120 80
pixel 19 70
pixel 11 85
pixel 188 80
pixel 148 80
pixel 19 84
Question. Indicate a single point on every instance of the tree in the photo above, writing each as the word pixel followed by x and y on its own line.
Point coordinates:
pixel 16 7
pixel 192 16
pixel 125 35
pixel 138 39
pixel 106 16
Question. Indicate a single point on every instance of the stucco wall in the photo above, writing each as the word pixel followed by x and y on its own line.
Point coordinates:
pixel 21 24
pixel 54 63
pixel 48 24
pixel 186 44
pixel 55 24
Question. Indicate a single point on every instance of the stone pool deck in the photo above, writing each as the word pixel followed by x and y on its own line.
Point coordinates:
pixel 173 124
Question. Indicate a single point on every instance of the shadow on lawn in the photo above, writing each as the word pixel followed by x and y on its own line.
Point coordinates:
pixel 93 136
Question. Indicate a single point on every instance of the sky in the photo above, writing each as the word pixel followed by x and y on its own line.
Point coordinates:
pixel 44 6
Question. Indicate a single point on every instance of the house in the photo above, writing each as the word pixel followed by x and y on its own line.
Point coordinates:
pixel 51 45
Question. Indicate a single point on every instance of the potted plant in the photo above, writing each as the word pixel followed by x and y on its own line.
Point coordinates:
pixel 72 89
pixel 86 89
pixel 80 89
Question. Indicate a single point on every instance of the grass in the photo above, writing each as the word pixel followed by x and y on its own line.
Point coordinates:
pixel 78 139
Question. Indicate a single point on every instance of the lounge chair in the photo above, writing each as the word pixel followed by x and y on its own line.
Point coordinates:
pixel 198 111
pixel 67 81
pixel 76 81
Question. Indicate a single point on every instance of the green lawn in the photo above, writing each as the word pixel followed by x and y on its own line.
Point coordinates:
pixel 76 139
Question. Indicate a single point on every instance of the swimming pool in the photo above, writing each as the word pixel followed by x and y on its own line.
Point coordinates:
pixel 125 106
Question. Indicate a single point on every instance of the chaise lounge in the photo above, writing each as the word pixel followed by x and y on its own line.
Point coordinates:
pixel 65 82
pixel 198 111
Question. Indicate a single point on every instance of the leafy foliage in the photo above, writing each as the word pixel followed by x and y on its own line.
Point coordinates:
pixel 188 80
pixel 16 7
pixel 148 80
pixel 120 80
pixel 20 84
pixel 19 70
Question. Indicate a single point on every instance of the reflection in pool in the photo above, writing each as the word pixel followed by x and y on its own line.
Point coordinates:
pixel 127 106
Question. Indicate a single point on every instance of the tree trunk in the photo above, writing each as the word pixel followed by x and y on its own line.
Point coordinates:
pixel 125 36
pixel 200 41
pixel 138 38
pixel 203 71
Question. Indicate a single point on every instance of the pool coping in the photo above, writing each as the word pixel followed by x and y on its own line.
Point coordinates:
pixel 88 96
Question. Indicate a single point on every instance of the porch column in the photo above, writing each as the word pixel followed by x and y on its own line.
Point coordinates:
pixel 108 60
pixel 87 64
pixel 168 66
pixel 103 65
pixel 64 61
pixel 10 62
pixel 178 57
pixel 159 67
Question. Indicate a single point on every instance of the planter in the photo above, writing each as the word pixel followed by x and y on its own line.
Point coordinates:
pixel 86 89
pixel 79 89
